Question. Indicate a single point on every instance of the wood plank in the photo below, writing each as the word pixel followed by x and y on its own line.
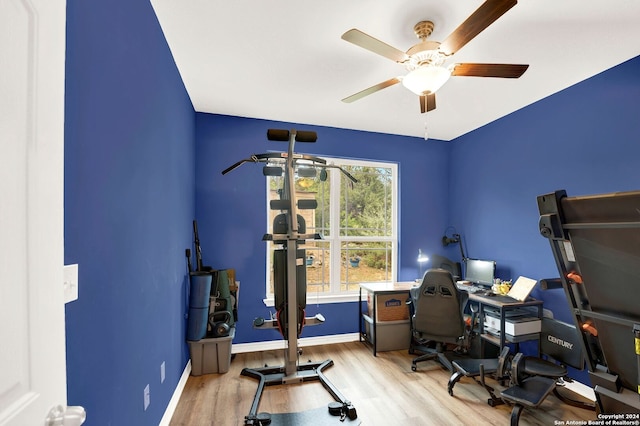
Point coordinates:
pixel 383 390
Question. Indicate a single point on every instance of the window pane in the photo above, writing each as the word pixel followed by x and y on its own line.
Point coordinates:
pixel 365 207
pixel 318 266
pixel 364 262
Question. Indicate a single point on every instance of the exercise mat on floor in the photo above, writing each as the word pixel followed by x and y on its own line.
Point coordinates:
pixel 316 416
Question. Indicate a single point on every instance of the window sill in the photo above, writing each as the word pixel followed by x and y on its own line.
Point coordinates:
pixel 313 299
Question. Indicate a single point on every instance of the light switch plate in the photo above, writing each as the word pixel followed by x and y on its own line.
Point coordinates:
pixel 70 283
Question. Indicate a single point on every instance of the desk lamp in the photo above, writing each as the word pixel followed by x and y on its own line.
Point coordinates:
pixel 422 258
pixel 457 239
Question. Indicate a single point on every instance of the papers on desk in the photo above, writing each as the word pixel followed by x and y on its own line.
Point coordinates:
pixel 522 288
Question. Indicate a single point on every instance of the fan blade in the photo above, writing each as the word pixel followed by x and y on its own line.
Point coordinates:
pixel 372 89
pixel 479 20
pixel 489 70
pixel 427 102
pixel 374 45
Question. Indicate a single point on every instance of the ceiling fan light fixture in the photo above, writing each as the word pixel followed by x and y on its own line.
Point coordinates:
pixel 426 80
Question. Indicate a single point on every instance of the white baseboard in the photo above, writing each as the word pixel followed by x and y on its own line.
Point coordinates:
pixel 175 398
pixel 238 348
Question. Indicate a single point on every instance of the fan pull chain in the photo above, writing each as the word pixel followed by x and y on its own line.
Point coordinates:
pixel 426 129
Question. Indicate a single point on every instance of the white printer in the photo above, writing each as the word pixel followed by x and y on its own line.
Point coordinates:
pixel 517 322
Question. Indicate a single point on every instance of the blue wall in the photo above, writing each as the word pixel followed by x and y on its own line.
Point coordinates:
pixel 232 215
pixel 129 202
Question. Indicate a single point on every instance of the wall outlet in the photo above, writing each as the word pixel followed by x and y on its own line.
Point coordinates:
pixel 147 397
pixel 162 372
pixel 70 277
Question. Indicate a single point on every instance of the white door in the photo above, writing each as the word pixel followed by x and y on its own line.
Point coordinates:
pixel 32 339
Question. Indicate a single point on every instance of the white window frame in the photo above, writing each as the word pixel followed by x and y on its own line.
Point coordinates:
pixel 336 240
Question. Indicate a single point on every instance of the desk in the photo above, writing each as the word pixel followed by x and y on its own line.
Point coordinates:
pixel 484 301
pixel 376 289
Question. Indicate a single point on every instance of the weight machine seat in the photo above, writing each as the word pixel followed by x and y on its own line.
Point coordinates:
pixel 529 393
pixel 478 367
pixel 522 369
pixel 532 379
pixel 470 367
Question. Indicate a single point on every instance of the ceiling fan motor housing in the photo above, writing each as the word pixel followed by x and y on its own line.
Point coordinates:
pixel 423 29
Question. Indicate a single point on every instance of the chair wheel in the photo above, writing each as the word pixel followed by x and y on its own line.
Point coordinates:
pixel 451 392
pixel 491 402
pixel 414 368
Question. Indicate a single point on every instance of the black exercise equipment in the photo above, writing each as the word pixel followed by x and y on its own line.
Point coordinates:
pixel 289 230
pixel 532 379
pixel 219 324
pixel 478 369
pixel 595 241
pixel 529 379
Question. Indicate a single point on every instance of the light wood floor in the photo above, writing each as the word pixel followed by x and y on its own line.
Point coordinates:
pixel 383 390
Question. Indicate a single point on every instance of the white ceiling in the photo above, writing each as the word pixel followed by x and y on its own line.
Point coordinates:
pixel 284 59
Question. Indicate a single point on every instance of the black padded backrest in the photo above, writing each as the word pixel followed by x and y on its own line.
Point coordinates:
pixel 281 224
pixel 561 342
pixel 438 314
pixel 280 278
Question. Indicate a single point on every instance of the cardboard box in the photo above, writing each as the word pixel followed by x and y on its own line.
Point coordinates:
pixel 210 356
pixel 389 335
pixel 389 307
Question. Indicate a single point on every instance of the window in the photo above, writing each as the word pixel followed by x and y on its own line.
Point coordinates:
pixel 357 222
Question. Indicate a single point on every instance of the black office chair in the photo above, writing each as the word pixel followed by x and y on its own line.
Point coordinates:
pixel 436 318
pixel 441 262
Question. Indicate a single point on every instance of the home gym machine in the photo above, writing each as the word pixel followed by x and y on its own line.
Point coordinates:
pixel 595 241
pixel 289 230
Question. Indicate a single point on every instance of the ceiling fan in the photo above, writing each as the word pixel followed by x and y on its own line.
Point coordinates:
pixel 425 60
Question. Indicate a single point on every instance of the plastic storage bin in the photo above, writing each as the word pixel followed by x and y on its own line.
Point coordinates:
pixel 389 335
pixel 210 356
